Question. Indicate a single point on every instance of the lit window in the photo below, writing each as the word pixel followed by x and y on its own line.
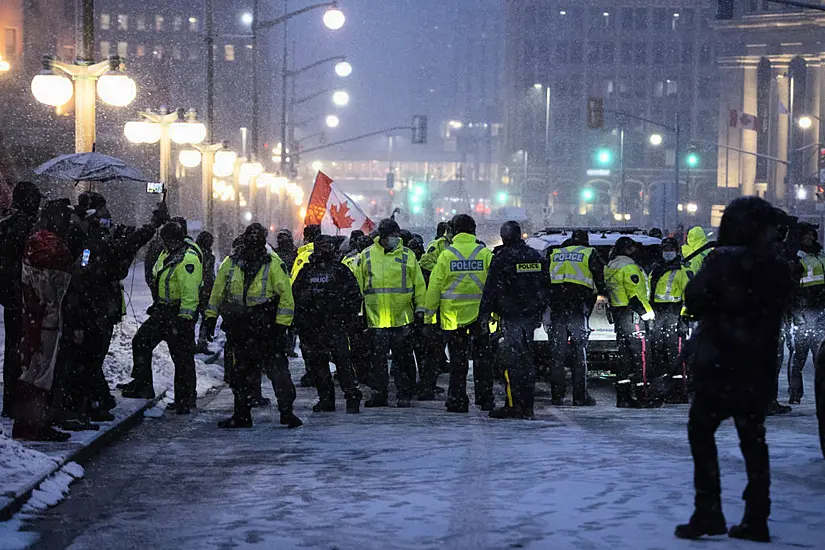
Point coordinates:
pixel 11 43
pixel 193 24
pixel 140 50
pixel 177 24
pixel 716 212
pixel 122 22
pixel 158 23
pixel 123 49
pixel 229 52
pixel 141 22
pixel 105 21
pixel 105 48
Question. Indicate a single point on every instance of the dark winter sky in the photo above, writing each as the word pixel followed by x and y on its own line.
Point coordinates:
pixel 404 58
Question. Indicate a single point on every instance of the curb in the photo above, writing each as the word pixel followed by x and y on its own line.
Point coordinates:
pixel 80 456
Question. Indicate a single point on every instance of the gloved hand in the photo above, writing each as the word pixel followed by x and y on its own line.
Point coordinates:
pixel 186 325
pixel 798 319
pixel 683 328
pixel 160 215
pixel 419 318
pixel 209 325
pixel 151 310
pixel 649 316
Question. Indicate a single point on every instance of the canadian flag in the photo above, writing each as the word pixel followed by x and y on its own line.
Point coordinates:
pixel 334 210
pixel 749 122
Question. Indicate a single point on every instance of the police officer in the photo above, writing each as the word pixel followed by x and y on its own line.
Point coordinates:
pixel 516 292
pixel 327 301
pixel 696 249
pixel 252 290
pixel 455 291
pixel 305 251
pixel 808 310
pixel 667 375
pixel 576 274
pixel 627 289
pixel 435 248
pixel 394 292
pixel 177 279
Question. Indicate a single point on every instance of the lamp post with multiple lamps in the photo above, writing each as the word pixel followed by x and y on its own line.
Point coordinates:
pixel 51 87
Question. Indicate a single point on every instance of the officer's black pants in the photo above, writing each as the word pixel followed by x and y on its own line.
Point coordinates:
pixel 706 414
pixel 13 323
pixel 665 373
pixel 320 344
pixel 514 351
pixel 257 351
pixel 806 342
pixel 819 388
pixel 180 336
pixel 399 340
pixel 628 368
pixel 361 352
pixel 434 358
pixel 569 323
pixel 461 342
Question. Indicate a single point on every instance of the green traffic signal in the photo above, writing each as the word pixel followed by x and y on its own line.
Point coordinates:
pixel 604 157
pixel 588 195
pixel 501 196
pixel 692 160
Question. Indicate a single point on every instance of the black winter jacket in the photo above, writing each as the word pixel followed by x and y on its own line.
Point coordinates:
pixel 517 283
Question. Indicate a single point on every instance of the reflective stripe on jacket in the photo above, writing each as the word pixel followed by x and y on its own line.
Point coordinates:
pixel 457 282
pixel 301 260
pixel 813 267
pixel 625 281
pixel 571 264
pixel 177 278
pixel 670 288
pixel 270 281
pixel 392 284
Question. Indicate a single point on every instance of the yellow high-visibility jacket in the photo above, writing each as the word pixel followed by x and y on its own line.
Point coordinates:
pixel 392 284
pixel 177 278
pixel 301 260
pixel 270 281
pixel 625 281
pixel 457 282
pixel 434 250
pixel 352 262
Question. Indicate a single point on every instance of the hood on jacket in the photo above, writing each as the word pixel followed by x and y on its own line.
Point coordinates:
pixel 696 239
pixel 745 219
pixel 620 261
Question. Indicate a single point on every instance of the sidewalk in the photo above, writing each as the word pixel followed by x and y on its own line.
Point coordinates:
pixel 42 472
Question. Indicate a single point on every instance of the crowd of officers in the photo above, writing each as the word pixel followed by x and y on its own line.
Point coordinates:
pixel 357 302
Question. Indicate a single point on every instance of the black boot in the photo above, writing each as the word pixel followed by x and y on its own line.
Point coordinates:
pixel 353 406
pixel 455 406
pixel 100 415
pixel 307 381
pixel 795 397
pixel 511 413
pixel 586 401
pixel 376 400
pixel 755 530
pixel 289 420
pixel 236 421
pixel 138 392
pixel 324 405
pixel 777 408
pixel 703 523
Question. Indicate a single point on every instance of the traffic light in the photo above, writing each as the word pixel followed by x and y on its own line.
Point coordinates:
pixel 820 192
pixel 588 194
pixel 419 129
pixel 595 113
pixel 692 159
pixel 821 158
pixel 417 193
pixel 724 9
pixel 501 196
pixel 604 157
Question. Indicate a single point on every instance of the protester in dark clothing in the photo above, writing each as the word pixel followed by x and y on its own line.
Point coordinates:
pixel 205 241
pixel 516 291
pixel 327 300
pixel 16 226
pixel 46 274
pixel 738 297
pixel 285 248
pixel 93 306
pixel 819 390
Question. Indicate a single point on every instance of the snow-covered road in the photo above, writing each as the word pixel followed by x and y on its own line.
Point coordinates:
pixel 421 478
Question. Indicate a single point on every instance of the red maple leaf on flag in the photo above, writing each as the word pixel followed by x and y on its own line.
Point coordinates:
pixel 340 215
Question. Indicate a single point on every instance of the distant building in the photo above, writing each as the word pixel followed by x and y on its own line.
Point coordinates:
pixel 771 51
pixel 643 58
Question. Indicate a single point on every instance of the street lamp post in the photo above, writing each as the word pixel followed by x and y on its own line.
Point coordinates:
pixel 166 127
pixel 113 87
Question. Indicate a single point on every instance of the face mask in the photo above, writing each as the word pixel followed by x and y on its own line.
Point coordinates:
pixel 392 242
pixel 669 256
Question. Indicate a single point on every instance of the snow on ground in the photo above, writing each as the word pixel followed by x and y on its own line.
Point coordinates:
pixel 22 463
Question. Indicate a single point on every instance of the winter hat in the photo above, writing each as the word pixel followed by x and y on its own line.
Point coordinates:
pixel 388 228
